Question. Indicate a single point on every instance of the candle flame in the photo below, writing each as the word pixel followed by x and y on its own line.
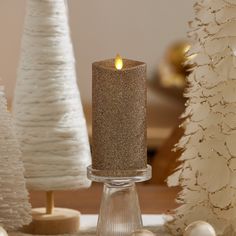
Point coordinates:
pixel 118 62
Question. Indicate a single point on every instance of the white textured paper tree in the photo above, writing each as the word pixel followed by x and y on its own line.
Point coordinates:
pixel 208 170
pixel 48 114
pixel 14 206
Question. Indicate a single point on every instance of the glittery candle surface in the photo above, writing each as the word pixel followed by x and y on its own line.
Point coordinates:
pixel 119 117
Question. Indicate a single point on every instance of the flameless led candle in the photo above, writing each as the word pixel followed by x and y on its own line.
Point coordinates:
pixel 119 117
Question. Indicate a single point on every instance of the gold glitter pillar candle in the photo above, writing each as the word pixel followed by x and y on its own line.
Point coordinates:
pixel 119 117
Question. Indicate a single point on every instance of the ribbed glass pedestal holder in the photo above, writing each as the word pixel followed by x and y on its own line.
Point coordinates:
pixel 120 213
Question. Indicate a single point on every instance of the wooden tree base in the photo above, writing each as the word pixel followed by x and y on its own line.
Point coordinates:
pixel 61 221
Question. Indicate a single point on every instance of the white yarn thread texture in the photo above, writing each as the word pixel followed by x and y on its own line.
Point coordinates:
pixel 208 172
pixel 49 119
pixel 14 205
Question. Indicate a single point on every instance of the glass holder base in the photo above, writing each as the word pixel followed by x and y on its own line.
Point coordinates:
pixel 120 213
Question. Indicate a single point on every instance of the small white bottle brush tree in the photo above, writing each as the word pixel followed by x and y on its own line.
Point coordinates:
pixel 14 206
pixel 48 114
pixel 207 174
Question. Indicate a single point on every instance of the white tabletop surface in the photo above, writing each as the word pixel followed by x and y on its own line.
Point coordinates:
pixel 154 223
pixel 88 224
pixel 88 221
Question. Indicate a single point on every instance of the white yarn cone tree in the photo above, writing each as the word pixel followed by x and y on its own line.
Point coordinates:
pixel 49 119
pixel 208 170
pixel 14 206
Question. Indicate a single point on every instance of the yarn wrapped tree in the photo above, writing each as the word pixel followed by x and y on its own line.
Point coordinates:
pixel 207 173
pixel 14 206
pixel 48 114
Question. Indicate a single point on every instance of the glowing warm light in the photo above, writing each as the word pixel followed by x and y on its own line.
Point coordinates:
pixel 118 62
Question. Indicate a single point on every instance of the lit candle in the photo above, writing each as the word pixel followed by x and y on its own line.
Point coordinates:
pixel 119 117
pixel 118 62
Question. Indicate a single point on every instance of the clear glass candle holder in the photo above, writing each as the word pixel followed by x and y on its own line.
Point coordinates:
pixel 120 213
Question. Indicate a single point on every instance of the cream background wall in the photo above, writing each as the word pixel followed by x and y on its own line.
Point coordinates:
pixel 137 29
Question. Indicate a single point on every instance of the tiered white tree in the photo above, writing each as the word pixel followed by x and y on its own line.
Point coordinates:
pixel 14 206
pixel 49 119
pixel 208 170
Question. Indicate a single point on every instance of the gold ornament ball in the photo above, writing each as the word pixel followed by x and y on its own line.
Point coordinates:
pixel 199 228
pixel 176 53
pixel 3 232
pixel 142 232
pixel 177 58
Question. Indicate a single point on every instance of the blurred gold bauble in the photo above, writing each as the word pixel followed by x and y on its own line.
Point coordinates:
pixel 175 66
pixel 172 71
pixel 177 58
